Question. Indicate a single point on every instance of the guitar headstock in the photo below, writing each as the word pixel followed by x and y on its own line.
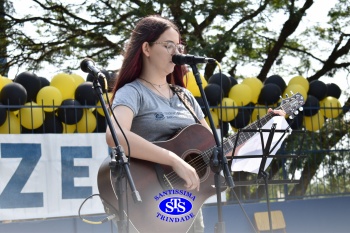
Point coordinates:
pixel 292 105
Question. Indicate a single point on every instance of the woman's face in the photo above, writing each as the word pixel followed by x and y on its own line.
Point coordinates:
pixel 163 49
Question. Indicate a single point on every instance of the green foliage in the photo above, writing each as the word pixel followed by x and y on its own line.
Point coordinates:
pixel 236 33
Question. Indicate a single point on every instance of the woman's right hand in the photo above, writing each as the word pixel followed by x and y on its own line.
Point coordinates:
pixel 187 173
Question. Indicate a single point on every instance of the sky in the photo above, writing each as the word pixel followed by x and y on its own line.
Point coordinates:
pixel 316 14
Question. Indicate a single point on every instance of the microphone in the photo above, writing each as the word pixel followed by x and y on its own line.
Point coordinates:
pixel 181 59
pixel 88 66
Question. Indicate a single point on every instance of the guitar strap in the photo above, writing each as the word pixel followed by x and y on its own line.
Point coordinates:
pixel 185 100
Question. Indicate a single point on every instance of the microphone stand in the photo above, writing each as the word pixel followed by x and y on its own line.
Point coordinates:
pixel 119 164
pixel 219 161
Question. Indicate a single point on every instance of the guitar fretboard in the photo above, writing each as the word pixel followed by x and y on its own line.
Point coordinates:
pixel 229 143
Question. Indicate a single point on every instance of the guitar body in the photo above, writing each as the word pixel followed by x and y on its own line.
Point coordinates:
pixel 166 204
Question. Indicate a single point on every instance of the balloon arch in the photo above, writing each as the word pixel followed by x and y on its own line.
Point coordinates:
pixel 68 103
pixel 247 100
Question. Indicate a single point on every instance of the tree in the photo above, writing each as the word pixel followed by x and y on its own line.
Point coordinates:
pixel 3 40
pixel 266 34
pixel 234 33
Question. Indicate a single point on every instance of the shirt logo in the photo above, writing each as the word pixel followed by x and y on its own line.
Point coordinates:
pixel 159 116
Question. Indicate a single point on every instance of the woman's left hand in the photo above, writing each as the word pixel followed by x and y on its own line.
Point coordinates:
pixel 277 112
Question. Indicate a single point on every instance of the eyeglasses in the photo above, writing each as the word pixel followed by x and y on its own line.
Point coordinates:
pixel 171 47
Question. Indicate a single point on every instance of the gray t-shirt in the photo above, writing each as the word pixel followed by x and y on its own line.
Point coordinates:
pixel 155 117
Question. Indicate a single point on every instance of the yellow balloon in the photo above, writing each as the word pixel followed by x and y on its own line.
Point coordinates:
pixel 99 109
pixel 241 94
pixel 31 115
pixel 255 85
pixel 191 84
pixel 4 81
pixel 295 88
pixel 229 109
pixel 50 97
pixel 215 119
pixel 258 112
pixel 69 128
pixel 78 79
pixel 11 125
pixel 330 107
pixel 88 123
pixel 315 122
pixel 301 81
pixel 66 84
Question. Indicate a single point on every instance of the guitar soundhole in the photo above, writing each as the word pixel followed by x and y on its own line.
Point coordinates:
pixel 197 161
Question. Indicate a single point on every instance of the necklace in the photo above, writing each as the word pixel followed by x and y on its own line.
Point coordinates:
pixel 153 84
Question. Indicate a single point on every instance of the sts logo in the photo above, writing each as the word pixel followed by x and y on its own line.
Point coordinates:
pixel 175 205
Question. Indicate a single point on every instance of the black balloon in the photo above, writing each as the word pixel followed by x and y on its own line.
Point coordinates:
pixel 296 122
pixel 270 93
pixel 225 128
pixel 70 112
pixel 278 80
pixel 85 94
pixel 24 130
pixel 311 106
pixel 214 94
pixel 52 124
pixel 333 90
pixel 233 81
pixel 110 79
pixel 13 94
pixel 226 82
pixel 243 117
pixel 44 82
pixel 318 89
pixel 3 114
pixel 31 82
pixel 101 123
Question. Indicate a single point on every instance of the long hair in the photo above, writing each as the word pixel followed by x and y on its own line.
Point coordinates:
pixel 148 29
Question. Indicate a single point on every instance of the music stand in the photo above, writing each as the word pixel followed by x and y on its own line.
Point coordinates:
pixel 266 153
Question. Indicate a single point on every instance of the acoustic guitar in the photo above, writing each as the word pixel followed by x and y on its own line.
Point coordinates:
pixel 166 205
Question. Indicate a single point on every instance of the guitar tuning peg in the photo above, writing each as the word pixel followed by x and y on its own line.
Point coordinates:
pixel 291 117
pixel 287 95
pixel 291 92
pixel 296 112
pixel 301 109
pixel 281 97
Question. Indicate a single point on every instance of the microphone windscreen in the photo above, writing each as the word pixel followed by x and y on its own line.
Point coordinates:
pixel 178 59
pixel 84 64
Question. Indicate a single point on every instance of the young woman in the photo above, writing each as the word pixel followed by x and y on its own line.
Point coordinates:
pixel 145 105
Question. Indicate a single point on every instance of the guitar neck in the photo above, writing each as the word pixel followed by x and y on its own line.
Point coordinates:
pixel 230 142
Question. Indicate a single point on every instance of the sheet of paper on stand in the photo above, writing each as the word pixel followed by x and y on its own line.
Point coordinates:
pixel 253 147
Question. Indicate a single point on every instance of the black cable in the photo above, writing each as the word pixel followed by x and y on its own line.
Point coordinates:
pixel 108 218
pixel 245 213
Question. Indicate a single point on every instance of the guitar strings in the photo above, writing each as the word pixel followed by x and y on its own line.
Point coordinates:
pixel 173 178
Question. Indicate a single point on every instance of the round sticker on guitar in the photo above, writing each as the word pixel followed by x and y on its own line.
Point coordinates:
pixel 175 206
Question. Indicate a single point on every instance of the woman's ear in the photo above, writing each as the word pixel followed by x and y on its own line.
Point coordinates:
pixel 146 49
